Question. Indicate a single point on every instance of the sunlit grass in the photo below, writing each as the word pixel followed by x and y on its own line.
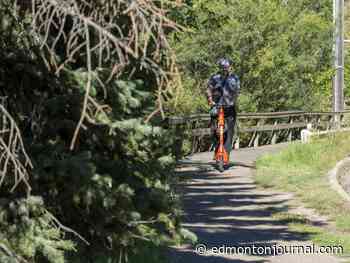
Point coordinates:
pixel 303 170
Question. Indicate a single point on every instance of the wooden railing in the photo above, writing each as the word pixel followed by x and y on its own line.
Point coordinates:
pixel 256 129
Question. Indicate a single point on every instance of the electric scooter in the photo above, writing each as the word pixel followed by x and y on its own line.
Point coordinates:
pixel 221 156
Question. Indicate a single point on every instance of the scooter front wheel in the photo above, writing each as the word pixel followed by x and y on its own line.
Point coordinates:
pixel 221 166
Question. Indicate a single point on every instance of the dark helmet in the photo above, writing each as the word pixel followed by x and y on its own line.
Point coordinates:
pixel 224 63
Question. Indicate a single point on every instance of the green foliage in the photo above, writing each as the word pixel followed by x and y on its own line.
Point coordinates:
pixel 115 188
pixel 190 98
pixel 118 178
pixel 28 230
pixel 281 51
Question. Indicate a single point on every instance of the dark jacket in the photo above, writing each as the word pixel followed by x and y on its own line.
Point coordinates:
pixel 223 90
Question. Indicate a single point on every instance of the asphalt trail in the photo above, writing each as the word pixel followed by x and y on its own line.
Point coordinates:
pixel 227 209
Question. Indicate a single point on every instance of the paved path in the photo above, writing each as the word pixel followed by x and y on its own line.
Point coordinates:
pixel 227 209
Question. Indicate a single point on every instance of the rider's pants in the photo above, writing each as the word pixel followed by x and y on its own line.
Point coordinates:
pixel 230 120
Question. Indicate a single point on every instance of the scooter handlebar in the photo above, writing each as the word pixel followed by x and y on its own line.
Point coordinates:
pixel 218 105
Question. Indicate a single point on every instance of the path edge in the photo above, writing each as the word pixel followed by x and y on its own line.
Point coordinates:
pixel 333 176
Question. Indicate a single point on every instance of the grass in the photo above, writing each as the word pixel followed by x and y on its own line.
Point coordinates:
pixel 303 170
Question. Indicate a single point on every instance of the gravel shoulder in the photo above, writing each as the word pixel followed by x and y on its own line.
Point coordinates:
pixel 344 177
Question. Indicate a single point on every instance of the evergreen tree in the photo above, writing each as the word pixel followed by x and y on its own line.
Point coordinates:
pixel 79 79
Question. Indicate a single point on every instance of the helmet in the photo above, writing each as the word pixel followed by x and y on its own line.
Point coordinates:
pixel 224 63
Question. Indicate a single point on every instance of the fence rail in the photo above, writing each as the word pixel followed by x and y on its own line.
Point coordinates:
pixel 259 128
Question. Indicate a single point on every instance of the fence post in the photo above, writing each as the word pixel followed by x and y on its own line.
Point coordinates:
pixel 319 126
pixel 330 122
pixel 290 132
pixel 194 137
pixel 252 139
pixel 257 137
pixel 236 146
pixel 337 121
pixel 179 138
pixel 274 134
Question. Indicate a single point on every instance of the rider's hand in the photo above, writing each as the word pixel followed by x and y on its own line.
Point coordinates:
pixel 211 103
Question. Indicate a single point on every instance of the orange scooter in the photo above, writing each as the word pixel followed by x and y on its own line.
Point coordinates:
pixel 221 156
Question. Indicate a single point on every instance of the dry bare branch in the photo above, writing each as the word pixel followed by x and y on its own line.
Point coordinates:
pixel 87 92
pixel 64 228
pixel 122 29
pixel 13 157
pixel 119 31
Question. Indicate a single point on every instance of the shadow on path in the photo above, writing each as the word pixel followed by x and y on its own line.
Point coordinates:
pixel 227 209
pixel 233 211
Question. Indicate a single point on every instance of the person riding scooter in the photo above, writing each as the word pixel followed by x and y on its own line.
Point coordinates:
pixel 223 88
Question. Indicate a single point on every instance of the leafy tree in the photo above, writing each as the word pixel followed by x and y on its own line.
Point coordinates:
pixel 281 51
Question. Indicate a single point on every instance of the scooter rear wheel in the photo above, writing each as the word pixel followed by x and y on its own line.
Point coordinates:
pixel 221 166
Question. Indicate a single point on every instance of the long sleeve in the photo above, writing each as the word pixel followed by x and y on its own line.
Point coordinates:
pixel 210 91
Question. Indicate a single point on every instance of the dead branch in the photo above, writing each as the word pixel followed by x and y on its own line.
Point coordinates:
pixel 13 157
pixel 116 41
pixel 120 31
pixel 58 224
pixel 88 87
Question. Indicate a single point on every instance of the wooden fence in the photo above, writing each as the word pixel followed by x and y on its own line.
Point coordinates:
pixel 255 129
